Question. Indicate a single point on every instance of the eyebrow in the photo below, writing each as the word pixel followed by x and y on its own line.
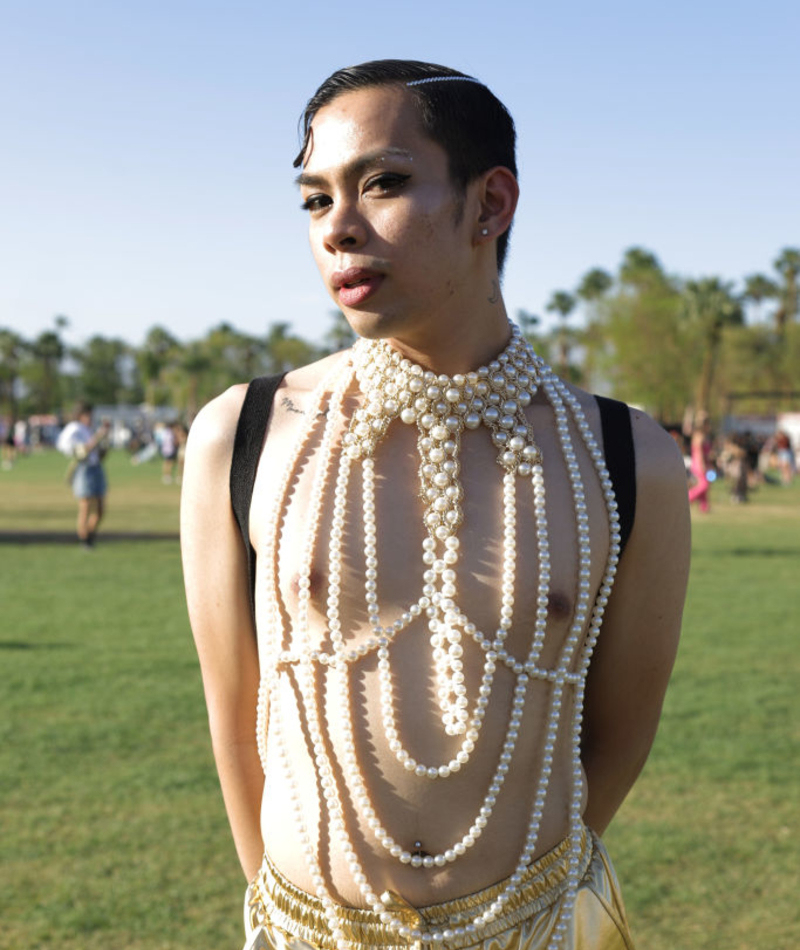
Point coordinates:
pixel 356 167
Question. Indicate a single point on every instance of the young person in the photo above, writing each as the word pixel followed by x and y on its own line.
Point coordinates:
pixel 86 450
pixel 435 656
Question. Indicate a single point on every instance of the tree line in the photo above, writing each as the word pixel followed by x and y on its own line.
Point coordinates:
pixel 655 339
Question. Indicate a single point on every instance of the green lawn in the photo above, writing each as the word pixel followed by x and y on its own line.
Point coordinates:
pixel 113 832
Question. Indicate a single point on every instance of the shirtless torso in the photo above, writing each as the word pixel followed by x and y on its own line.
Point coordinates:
pixel 433 814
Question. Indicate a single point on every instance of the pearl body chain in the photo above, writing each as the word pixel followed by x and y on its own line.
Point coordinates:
pixel 441 408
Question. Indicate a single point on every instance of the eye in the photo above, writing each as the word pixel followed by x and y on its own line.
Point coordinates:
pixel 387 182
pixel 315 203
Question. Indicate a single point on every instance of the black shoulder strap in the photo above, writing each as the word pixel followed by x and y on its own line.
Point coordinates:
pixel 620 460
pixel 246 452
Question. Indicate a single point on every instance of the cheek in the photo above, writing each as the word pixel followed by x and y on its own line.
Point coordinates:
pixel 316 243
pixel 417 228
pixel 407 233
pixel 422 218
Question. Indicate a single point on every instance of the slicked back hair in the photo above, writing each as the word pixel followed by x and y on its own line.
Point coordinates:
pixel 465 118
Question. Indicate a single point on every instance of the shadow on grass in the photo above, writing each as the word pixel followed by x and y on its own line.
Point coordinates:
pixel 68 537
pixel 19 645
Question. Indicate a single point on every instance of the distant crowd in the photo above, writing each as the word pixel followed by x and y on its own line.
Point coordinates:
pixel 744 459
pixel 144 439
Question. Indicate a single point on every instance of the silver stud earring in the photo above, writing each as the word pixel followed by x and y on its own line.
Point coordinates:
pixel 484 231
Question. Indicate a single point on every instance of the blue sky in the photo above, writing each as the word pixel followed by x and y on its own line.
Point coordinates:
pixel 145 171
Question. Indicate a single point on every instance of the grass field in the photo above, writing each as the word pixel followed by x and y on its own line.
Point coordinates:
pixel 113 832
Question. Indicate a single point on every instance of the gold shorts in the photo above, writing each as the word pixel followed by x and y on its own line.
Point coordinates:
pixel 280 916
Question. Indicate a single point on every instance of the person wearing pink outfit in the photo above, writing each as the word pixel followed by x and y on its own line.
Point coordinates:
pixel 701 462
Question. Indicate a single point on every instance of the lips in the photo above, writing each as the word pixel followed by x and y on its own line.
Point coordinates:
pixel 355 285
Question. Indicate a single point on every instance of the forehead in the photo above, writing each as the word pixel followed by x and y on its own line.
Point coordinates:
pixel 379 118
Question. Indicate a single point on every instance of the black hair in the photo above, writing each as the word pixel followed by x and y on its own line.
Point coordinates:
pixel 465 118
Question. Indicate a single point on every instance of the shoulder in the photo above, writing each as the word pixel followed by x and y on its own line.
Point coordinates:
pixel 659 462
pixel 662 525
pixel 657 455
pixel 213 431
pixel 297 390
pixel 659 465
pixel 652 443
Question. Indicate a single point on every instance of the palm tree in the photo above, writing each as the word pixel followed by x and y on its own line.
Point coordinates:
pixel 563 304
pixel 758 288
pixel 711 305
pixel 192 362
pixel 12 349
pixel 788 266
pixel 640 267
pixel 285 350
pixel 530 324
pixel 101 369
pixel 235 356
pixel 152 358
pixel 47 351
pixel 594 285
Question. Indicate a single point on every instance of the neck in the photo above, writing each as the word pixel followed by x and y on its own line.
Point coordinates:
pixel 457 346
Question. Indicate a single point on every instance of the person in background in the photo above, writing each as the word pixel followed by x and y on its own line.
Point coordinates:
pixel 181 435
pixel 784 457
pixel 701 462
pixel 168 447
pixel 9 446
pixel 86 450
pixel 733 462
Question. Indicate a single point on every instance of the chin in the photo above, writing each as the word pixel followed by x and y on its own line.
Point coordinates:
pixel 374 326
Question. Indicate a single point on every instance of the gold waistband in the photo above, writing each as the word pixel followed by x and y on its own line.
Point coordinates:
pixel 274 900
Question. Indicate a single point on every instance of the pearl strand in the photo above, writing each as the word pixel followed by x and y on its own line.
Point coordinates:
pixel 332 804
pixel 335 556
pixel 472 724
pixel 362 798
pixel 267 565
pixel 575 816
pixel 371 565
pixel 552 725
pixel 314 518
pixel 391 732
pixel 554 395
pixel 543 553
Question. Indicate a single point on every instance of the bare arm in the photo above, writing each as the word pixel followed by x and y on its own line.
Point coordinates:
pixel 215 575
pixel 639 639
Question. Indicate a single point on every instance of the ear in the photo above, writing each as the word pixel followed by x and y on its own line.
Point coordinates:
pixel 498 193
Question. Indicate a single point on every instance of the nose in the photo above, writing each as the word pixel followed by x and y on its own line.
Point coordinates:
pixel 345 229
